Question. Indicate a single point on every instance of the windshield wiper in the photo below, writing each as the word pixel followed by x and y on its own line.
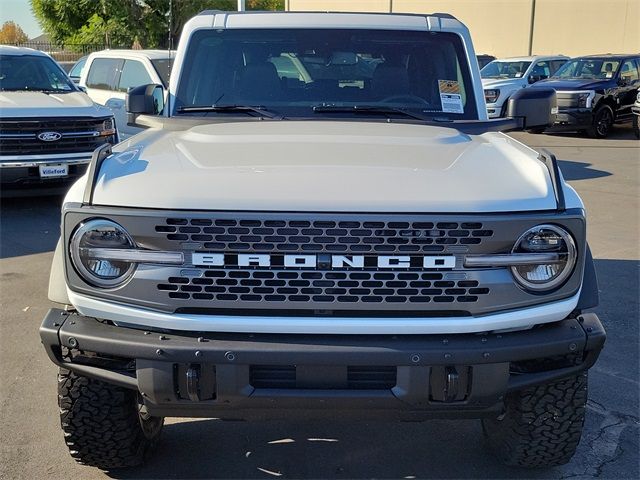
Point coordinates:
pixel 372 109
pixel 248 109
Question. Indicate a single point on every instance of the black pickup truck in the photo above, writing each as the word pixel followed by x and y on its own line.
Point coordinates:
pixel 594 92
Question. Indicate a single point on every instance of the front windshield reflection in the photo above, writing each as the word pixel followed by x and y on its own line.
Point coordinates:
pixel 291 71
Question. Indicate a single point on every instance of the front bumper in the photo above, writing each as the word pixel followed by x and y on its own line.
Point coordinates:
pixel 494 110
pixel 274 375
pixel 568 118
pixel 24 171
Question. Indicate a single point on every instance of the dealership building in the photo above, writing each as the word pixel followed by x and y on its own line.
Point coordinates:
pixel 520 27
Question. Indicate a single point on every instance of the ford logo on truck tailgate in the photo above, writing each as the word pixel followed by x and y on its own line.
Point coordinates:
pixel 49 136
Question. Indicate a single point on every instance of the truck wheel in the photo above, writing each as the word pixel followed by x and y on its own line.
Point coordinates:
pixel 541 426
pixel 636 126
pixel 104 425
pixel 602 122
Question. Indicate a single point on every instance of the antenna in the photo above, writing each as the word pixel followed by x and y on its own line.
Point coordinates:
pixel 169 45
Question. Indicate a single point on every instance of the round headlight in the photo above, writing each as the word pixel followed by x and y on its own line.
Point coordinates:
pixel 545 239
pixel 88 240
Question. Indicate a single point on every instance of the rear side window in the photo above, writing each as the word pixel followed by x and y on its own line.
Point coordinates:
pixel 103 73
pixel 133 74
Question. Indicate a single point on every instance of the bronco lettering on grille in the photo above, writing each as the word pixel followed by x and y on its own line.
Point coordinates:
pixel 324 261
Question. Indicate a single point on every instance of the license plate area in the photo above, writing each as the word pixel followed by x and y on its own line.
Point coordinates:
pixel 53 171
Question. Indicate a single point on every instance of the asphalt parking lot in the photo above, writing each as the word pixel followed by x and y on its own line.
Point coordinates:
pixel 606 173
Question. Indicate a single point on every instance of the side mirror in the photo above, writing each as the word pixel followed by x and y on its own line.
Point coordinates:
pixel 622 82
pixel 534 107
pixel 534 78
pixel 144 100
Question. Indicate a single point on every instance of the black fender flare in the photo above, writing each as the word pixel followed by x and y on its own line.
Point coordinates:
pixel 589 295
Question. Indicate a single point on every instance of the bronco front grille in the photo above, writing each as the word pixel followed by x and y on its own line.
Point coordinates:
pixel 20 137
pixel 328 287
pixel 320 288
pixel 322 235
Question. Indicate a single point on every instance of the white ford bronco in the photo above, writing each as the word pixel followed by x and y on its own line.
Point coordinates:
pixel 320 217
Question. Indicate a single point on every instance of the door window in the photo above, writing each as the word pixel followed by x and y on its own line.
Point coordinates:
pixel 540 70
pixel 76 71
pixel 629 71
pixel 556 64
pixel 133 74
pixel 103 73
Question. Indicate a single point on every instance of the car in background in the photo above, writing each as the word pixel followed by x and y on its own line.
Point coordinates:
pixel 48 127
pixel 109 74
pixel 76 71
pixel 505 76
pixel 636 115
pixel 595 92
pixel 484 59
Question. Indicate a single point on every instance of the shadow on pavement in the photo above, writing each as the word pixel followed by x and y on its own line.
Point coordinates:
pixel 580 171
pixel 619 132
pixel 29 225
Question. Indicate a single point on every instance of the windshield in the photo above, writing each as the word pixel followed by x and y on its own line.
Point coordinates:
pixel 500 69
pixel 291 71
pixel 590 68
pixel 163 67
pixel 32 73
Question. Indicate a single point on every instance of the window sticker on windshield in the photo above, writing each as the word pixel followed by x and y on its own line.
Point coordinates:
pixel 450 96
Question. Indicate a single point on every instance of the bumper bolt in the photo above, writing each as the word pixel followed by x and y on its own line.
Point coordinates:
pixel 445 342
pixel 230 356
pixel 201 339
pixel 484 340
pixel 447 356
pixel 589 329
pixel 572 347
pixel 159 351
pixel 198 353
pixel 486 355
pixel 415 358
pixel 147 333
pixel 162 337
pixel 73 343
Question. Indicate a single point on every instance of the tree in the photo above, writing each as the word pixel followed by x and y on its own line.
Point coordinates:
pixel 122 22
pixel 10 32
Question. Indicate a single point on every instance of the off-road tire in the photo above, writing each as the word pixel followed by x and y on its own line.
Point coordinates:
pixel 541 426
pixel 635 125
pixel 602 125
pixel 102 423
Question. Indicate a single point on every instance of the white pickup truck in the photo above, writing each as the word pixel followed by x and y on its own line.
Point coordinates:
pixel 503 77
pixel 321 218
pixel 48 127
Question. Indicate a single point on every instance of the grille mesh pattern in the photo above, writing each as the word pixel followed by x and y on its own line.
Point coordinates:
pixel 67 144
pixel 322 236
pixel 277 286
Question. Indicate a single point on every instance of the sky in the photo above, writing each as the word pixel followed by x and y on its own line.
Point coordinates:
pixel 19 11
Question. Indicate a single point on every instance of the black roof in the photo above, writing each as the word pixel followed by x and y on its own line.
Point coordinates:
pixel 438 14
pixel 619 56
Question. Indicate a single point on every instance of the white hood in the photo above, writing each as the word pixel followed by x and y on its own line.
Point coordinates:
pixel 510 83
pixel 325 166
pixel 25 104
